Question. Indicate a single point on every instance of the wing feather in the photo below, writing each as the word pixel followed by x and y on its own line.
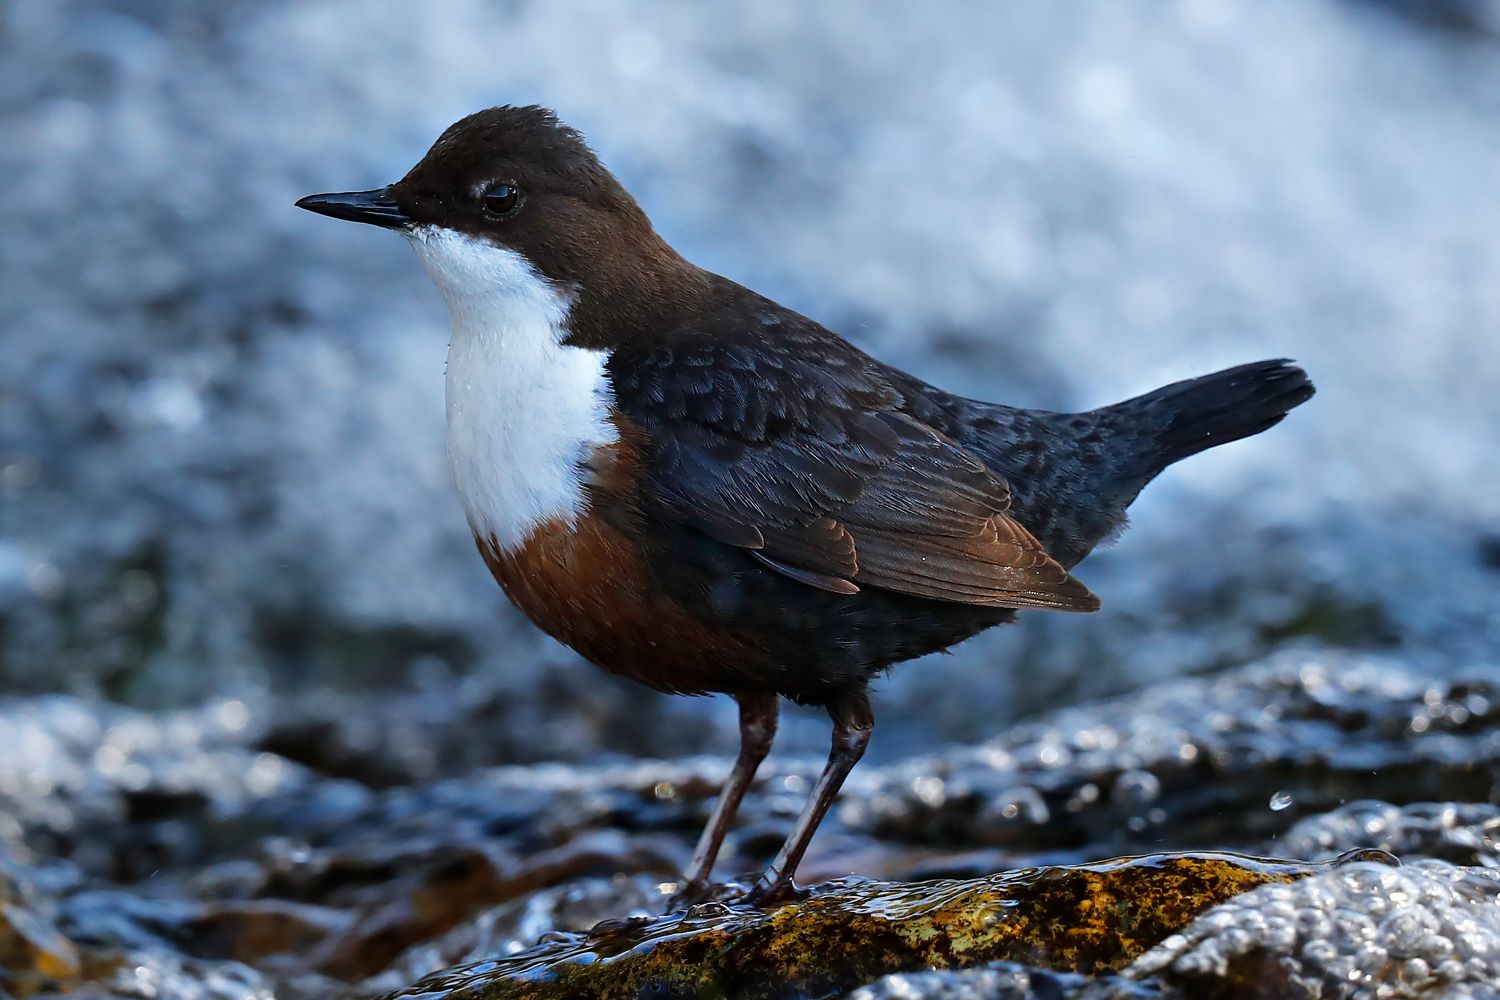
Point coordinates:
pixel 788 443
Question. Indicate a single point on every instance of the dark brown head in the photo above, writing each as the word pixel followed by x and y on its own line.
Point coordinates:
pixel 517 179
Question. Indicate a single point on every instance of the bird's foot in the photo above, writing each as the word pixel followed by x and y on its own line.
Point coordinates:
pixel 700 891
pixel 763 894
pixel 689 894
pixel 782 890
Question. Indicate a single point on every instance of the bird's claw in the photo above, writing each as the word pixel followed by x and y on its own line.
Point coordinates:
pixel 776 893
pixel 698 892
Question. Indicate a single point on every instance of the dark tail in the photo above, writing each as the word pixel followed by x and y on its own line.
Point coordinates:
pixel 1185 418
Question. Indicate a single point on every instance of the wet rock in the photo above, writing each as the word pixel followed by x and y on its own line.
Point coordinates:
pixel 1464 833
pixel 151 848
pixel 1004 981
pixel 1223 761
pixel 157 974
pixel 1427 929
pixel 1088 919
pixel 515 926
pixel 32 951
pixel 124 793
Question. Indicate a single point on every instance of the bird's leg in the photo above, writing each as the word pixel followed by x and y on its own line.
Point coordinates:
pixel 757 730
pixel 852 723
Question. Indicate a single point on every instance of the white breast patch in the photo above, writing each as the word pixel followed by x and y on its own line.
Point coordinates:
pixel 524 410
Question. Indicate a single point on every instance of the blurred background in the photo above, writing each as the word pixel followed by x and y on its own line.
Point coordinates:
pixel 222 468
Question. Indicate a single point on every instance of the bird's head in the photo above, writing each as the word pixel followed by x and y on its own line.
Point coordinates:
pixel 512 194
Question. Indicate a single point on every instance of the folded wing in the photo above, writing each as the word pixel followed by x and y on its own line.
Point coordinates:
pixel 795 449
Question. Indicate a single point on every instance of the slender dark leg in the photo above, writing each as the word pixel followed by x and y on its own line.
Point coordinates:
pixel 757 731
pixel 852 723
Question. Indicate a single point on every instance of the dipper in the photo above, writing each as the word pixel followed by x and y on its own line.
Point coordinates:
pixel 706 492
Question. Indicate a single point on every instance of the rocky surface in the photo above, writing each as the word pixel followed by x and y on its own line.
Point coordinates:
pixel 1428 928
pixel 173 855
pixel 1083 918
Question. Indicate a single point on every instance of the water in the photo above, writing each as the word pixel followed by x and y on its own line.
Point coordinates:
pixel 222 451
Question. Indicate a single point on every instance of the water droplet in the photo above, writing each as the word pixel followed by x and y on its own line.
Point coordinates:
pixel 1022 805
pixel 1281 800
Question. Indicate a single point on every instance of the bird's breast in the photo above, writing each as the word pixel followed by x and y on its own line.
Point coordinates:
pixel 520 434
pixel 589 582
pixel 525 413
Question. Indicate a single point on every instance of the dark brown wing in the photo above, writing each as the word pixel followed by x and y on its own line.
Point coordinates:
pixel 792 446
pixel 932 522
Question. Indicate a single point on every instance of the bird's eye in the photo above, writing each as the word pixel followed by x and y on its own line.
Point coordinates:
pixel 502 199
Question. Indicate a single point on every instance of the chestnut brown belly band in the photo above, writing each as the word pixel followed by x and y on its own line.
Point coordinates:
pixel 590 587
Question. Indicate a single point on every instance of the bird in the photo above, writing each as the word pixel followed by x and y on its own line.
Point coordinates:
pixel 704 491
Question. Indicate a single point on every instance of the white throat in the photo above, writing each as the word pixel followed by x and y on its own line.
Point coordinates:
pixel 524 410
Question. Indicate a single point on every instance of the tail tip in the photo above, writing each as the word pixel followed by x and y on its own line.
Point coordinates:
pixel 1229 405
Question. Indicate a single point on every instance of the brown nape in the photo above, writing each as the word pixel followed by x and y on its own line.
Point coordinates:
pixel 638 286
pixel 589 586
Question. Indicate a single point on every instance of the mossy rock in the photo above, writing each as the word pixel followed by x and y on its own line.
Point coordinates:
pixel 1085 918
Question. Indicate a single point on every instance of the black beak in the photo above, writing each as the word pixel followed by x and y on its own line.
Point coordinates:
pixel 375 207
